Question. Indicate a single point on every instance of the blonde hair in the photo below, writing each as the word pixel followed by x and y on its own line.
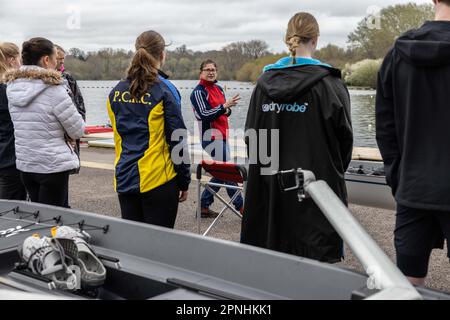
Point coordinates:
pixel 302 28
pixel 7 50
pixel 143 71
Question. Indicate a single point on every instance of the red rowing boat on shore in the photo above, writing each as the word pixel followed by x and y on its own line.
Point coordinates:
pixel 97 129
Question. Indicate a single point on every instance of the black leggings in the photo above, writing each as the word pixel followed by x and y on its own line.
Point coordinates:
pixel 158 206
pixel 48 188
pixel 11 187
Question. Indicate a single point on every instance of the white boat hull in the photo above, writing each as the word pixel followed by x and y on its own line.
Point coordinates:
pixel 367 189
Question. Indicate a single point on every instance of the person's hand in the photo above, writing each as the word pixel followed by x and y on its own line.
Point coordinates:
pixel 232 102
pixel 183 196
pixel 71 141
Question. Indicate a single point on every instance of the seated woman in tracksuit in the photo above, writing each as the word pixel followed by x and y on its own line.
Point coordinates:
pixel 152 167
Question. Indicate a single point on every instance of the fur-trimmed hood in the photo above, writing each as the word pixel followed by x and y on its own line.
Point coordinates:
pixel 25 84
pixel 51 77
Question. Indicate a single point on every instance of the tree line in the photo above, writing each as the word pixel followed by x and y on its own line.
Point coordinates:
pixel 181 63
pixel 244 60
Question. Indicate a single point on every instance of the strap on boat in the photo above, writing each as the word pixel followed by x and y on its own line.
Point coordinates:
pixel 292 180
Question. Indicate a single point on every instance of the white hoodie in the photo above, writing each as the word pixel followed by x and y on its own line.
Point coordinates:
pixel 42 112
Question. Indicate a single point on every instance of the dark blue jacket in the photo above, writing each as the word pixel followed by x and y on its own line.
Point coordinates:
pixel 143 137
pixel 7 149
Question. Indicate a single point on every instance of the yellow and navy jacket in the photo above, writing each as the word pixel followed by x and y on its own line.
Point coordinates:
pixel 143 139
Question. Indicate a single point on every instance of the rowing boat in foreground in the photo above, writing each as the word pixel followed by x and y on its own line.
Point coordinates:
pixel 148 262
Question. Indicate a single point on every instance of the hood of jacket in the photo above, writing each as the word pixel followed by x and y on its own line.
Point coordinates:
pixel 284 81
pixel 28 82
pixel 428 46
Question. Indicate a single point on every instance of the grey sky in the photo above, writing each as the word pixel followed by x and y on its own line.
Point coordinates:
pixel 200 24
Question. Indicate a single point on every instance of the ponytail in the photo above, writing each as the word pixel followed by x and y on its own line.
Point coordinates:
pixel 293 43
pixel 302 28
pixel 143 71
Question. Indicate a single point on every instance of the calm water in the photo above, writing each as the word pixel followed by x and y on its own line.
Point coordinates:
pixel 363 106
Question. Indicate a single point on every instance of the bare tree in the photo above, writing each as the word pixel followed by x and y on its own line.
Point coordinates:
pixel 253 49
pixel 78 54
pixel 256 48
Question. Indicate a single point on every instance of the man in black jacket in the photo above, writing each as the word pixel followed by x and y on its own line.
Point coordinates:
pixel 412 115
pixel 75 93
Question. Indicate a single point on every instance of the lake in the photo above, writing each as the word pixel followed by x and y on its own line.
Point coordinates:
pixel 363 106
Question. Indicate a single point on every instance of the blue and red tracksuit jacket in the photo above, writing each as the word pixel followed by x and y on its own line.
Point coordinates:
pixel 207 100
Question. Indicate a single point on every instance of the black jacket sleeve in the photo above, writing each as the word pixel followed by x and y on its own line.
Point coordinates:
pixel 385 122
pixel 77 97
pixel 343 124
pixel 173 121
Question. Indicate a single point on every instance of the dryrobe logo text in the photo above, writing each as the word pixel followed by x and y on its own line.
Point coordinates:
pixel 277 107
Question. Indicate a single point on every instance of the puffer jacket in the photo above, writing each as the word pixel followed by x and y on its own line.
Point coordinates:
pixel 42 112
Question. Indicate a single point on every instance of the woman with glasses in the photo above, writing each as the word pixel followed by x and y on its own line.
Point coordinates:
pixel 212 110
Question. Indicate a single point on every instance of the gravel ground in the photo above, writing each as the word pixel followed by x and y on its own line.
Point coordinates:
pixel 92 190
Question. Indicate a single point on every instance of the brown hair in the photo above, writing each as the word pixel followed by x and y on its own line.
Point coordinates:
pixel 302 28
pixel 206 62
pixel 7 50
pixel 59 48
pixel 143 71
pixel 36 48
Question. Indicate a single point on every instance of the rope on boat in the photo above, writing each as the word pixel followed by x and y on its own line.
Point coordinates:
pixel 58 219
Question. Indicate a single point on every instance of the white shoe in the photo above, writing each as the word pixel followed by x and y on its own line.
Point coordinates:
pixel 45 257
pixel 93 273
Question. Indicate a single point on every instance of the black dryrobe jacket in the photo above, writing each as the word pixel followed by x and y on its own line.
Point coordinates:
pixel 310 106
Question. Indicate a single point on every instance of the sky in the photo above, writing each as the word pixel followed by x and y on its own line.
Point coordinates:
pixel 199 24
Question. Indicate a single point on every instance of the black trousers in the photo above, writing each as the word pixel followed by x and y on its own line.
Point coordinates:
pixel 48 188
pixel 11 186
pixel 417 233
pixel 158 206
pixel 74 171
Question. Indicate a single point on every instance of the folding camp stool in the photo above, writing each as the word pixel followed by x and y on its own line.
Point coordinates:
pixel 227 172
